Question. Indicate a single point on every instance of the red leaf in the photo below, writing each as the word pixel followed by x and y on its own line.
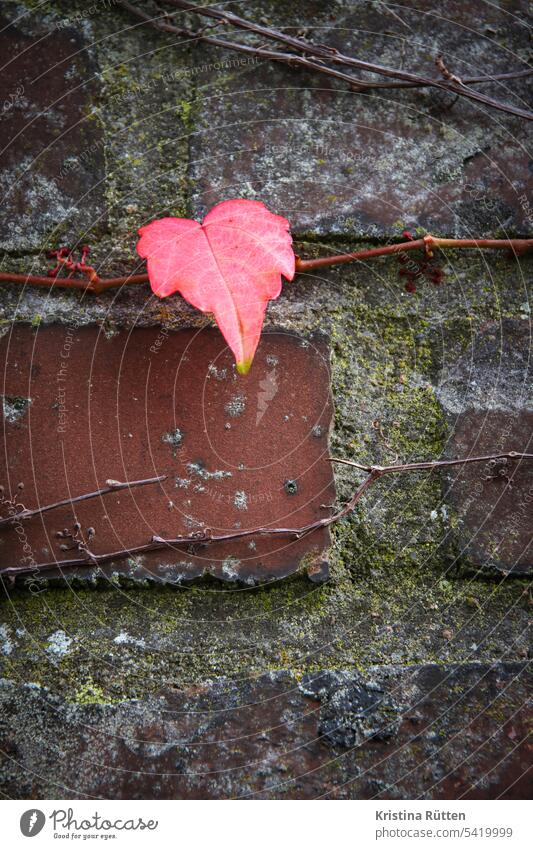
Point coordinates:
pixel 230 265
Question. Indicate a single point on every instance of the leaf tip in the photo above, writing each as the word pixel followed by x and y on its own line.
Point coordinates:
pixel 243 367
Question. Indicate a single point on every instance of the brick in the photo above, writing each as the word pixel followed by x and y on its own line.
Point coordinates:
pixel 239 453
pixel 52 159
pixel 488 401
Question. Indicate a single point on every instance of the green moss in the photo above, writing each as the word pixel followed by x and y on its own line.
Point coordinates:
pixel 391 594
pixel 185 111
pixel 364 616
pixel 89 693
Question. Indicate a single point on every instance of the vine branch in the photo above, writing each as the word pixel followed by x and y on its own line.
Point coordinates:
pixel 318 57
pixel 111 486
pixel 206 537
pixel 96 285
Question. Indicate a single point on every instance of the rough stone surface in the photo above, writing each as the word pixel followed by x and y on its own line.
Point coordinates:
pixel 427 731
pixel 52 158
pixel 413 599
pixel 493 505
pixel 487 395
pixel 337 162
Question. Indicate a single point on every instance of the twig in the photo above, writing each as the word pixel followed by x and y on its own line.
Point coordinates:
pixel 291 59
pixel 433 464
pixel 439 62
pixel 206 537
pixel 323 55
pixel 321 50
pixel 367 85
pixel 95 288
pixel 427 243
pixel 111 486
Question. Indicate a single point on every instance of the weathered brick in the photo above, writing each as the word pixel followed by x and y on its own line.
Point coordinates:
pixel 434 732
pixel 488 400
pixel 80 408
pixel 52 156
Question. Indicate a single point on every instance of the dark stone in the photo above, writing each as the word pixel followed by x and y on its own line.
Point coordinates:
pixel 53 159
pixel 455 731
pixel 488 399
pixel 150 402
pixel 353 710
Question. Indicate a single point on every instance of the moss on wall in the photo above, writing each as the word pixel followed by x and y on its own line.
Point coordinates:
pixel 393 596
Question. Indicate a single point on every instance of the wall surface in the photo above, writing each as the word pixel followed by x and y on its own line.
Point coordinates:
pixel 402 672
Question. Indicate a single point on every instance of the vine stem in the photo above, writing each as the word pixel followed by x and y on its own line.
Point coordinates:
pixel 429 465
pixel 111 486
pixel 428 243
pixel 311 56
pixel 206 537
pixel 96 285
